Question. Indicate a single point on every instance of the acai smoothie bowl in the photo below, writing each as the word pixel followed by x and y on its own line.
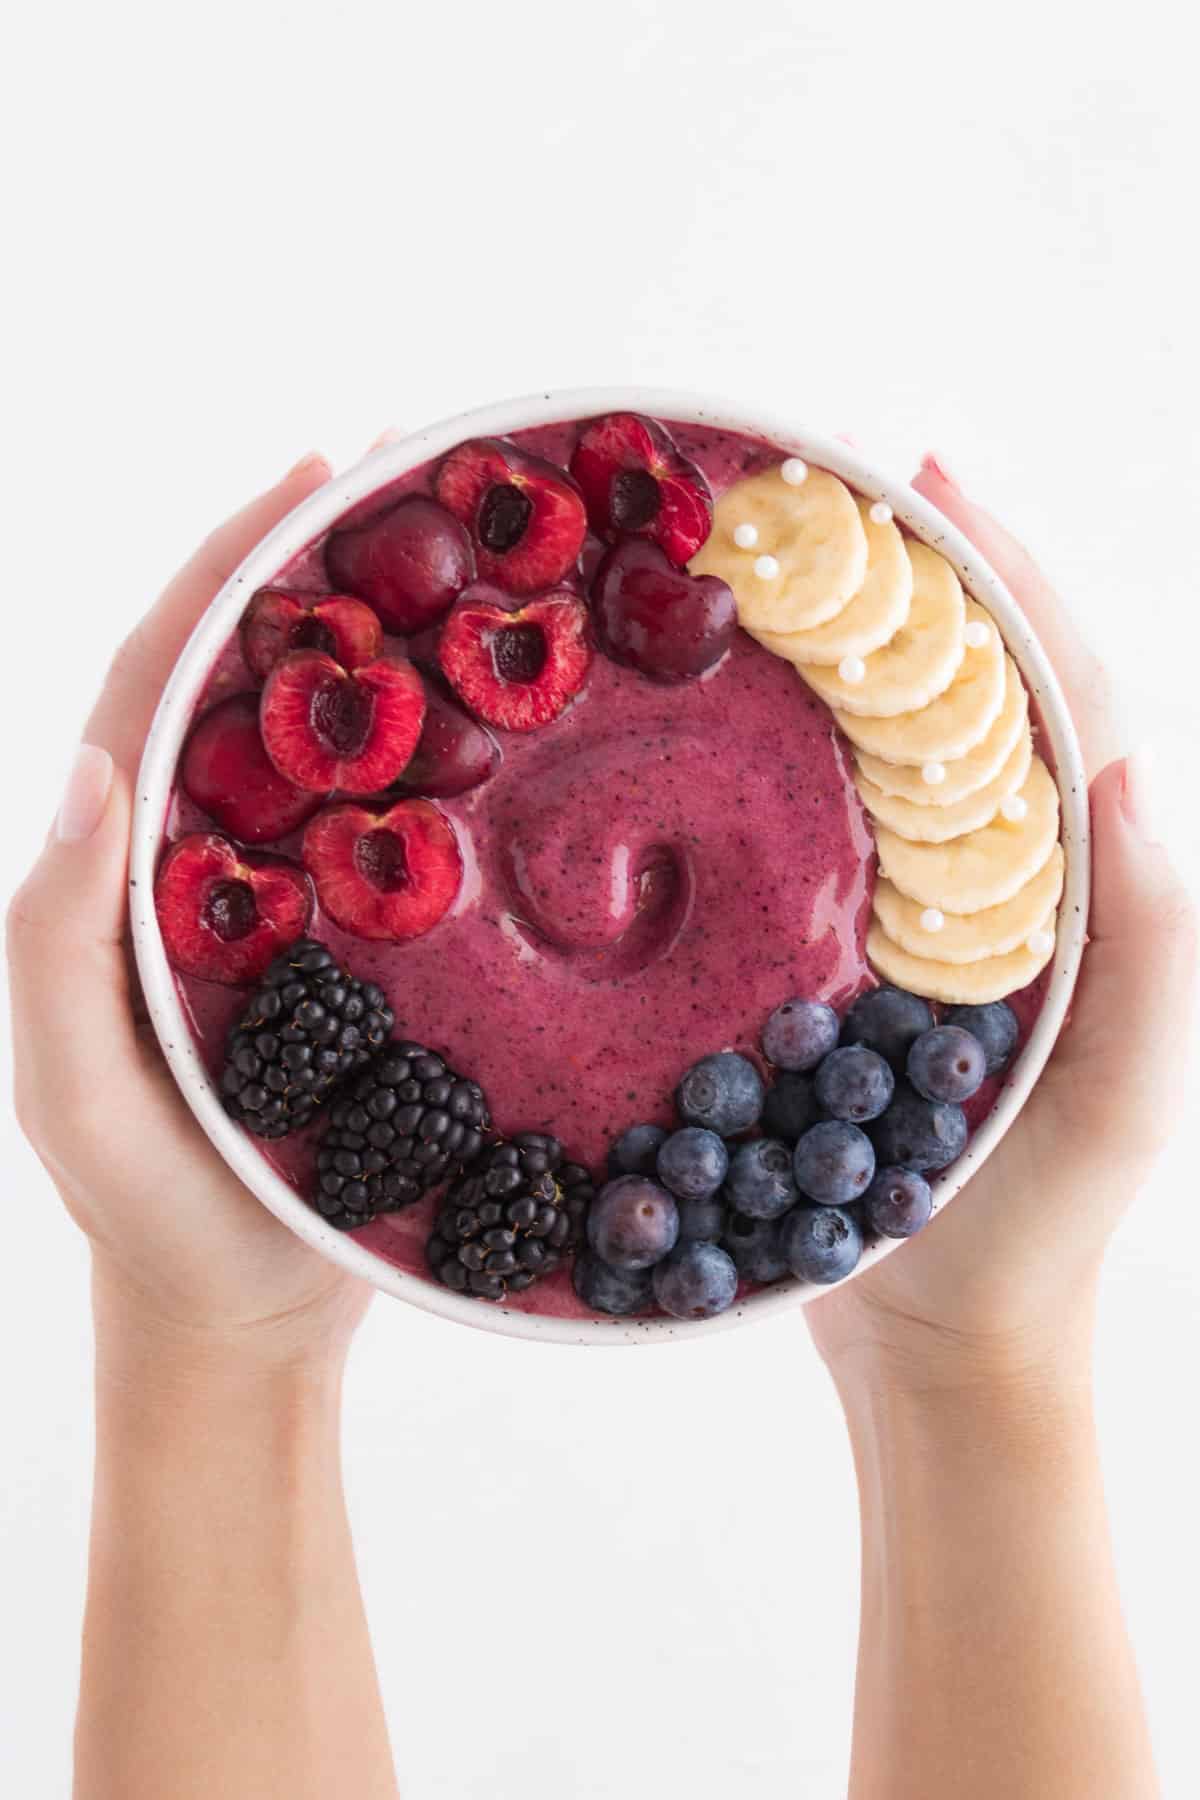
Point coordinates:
pixel 609 866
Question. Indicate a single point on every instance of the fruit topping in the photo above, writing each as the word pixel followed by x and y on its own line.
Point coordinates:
pixel 652 617
pixel 761 1184
pixel 635 481
pixel 702 1221
pixel 526 518
pixel 454 753
pixel 632 1223
pixel 854 1083
pixel 696 1281
pixel 833 1163
pixel 635 1152
pixel 307 1028
pixel 224 913
pixel 277 622
pixel 389 875
pixel 947 1063
pixel 613 1291
pixel 919 1134
pixel 411 563
pixel 898 1202
pixel 821 1243
pixel 226 771
pixel 516 669
pixel 799 1033
pixel 510 1219
pixel 326 727
pixel 723 1092
pixel 755 1247
pixel 692 1162
pixel 888 1020
pixel 996 1028
pixel 405 1125
pixel 790 1106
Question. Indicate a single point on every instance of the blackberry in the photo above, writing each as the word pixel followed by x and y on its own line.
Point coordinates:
pixel 306 1029
pixel 405 1125
pixel 510 1219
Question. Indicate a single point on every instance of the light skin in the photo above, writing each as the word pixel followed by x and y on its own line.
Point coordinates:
pixel 225 1647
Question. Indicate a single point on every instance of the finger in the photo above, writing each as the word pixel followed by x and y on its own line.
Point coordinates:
pixel 1126 1042
pixel 1083 677
pixel 122 714
pixel 391 434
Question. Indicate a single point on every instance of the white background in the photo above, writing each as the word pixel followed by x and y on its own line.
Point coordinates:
pixel 241 230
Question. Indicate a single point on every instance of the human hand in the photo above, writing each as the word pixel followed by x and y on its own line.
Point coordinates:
pixel 1007 1275
pixel 181 1250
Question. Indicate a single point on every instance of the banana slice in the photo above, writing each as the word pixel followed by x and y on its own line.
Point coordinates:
pixel 966 773
pixel 871 618
pixel 960 984
pixel 918 664
pixel 972 937
pixel 938 824
pixel 810 547
pixel 954 721
pixel 985 867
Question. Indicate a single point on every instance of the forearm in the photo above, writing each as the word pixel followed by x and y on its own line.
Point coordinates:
pixel 993 1655
pixel 225 1648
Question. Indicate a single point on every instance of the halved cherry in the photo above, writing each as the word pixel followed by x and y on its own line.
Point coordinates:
pixel 635 481
pixel 278 622
pixel 226 771
pixel 389 876
pixel 516 668
pixel 328 727
pixel 411 562
pixel 225 914
pixel 526 517
pixel 455 753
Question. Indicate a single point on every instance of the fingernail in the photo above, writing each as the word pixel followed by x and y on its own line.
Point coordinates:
pixel 310 460
pixel 392 435
pixel 88 787
pixel 937 467
pixel 1140 793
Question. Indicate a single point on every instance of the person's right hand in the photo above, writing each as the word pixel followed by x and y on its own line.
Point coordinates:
pixel 1012 1263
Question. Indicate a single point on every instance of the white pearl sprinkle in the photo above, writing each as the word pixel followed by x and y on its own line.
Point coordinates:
pixel 1040 943
pixel 932 919
pixel 766 568
pixel 852 670
pixel 1014 808
pixel 880 513
pixel 745 536
pixel 794 471
pixel 977 634
pixel 933 774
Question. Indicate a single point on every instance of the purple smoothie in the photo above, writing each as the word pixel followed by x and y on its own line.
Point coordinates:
pixel 646 878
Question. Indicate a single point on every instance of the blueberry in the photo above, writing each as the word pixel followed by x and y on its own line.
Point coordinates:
pixel 995 1026
pixel 833 1163
pixel 789 1107
pixel 915 1133
pixel 898 1202
pixel 722 1092
pixel 701 1221
pixel 888 1020
pixel 607 1290
pixel 632 1222
pixel 947 1063
pixel 799 1033
pixel 760 1181
pixel 854 1083
pixel 755 1248
pixel 693 1163
pixel 635 1151
pixel 695 1281
pixel 821 1243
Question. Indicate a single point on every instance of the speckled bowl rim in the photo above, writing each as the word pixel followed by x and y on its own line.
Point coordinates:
pixel 312 517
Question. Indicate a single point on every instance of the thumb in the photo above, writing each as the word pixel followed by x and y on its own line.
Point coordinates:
pixel 1131 1021
pixel 72 1020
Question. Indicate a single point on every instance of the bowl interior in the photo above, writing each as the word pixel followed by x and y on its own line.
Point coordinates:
pixel 173 718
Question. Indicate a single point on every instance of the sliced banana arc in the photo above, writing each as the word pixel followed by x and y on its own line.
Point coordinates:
pixel 809 556
pixel 870 618
pixel 971 937
pixel 985 867
pixel 966 774
pixel 918 663
pixel 938 824
pixel 961 984
pixel 954 721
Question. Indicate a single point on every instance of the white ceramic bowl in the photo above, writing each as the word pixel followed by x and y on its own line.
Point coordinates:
pixel 174 715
